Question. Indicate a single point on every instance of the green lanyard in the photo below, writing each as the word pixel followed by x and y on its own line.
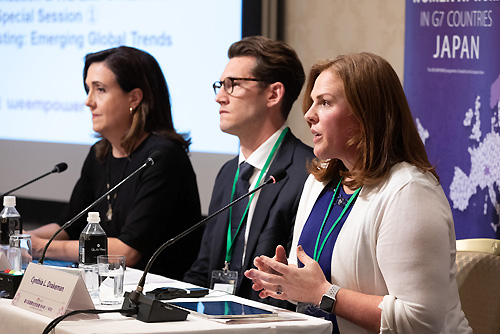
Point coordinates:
pixel 317 253
pixel 230 240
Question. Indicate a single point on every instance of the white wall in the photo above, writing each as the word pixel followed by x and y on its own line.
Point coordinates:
pixel 319 29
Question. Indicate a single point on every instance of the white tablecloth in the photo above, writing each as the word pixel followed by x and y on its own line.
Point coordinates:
pixel 16 320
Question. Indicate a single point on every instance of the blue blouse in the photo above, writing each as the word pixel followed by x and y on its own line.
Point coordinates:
pixel 309 236
pixel 312 227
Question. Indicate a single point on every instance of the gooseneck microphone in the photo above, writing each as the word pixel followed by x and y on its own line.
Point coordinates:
pixel 59 168
pixel 154 157
pixel 145 305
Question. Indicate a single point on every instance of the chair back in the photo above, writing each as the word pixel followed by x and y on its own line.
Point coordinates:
pixel 478 279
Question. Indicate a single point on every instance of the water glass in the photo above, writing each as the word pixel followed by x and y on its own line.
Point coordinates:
pixel 91 278
pixel 20 252
pixel 110 269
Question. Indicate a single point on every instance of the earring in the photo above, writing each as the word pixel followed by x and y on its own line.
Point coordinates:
pixel 131 110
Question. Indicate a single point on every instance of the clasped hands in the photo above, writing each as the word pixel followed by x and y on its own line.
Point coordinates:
pixel 274 277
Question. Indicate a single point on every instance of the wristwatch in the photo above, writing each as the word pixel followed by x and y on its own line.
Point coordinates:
pixel 329 299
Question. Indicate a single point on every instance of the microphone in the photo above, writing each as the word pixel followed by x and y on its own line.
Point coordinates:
pixel 148 309
pixel 154 157
pixel 59 168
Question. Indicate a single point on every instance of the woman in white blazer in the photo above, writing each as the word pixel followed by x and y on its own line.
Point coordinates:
pixel 374 234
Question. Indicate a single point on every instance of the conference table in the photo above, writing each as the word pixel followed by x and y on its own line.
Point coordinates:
pixel 16 320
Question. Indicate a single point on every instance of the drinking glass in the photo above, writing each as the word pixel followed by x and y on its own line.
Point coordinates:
pixel 20 252
pixel 110 269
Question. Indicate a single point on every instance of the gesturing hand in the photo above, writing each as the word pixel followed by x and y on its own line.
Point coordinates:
pixel 307 284
pixel 280 256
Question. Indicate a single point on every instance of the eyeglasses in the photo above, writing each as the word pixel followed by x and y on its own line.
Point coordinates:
pixel 228 84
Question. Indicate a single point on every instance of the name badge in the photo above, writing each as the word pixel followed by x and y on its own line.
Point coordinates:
pixel 224 280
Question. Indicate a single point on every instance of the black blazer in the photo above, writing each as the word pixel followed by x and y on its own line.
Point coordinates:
pixel 272 221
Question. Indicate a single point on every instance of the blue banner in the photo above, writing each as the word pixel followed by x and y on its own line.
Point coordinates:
pixel 452 81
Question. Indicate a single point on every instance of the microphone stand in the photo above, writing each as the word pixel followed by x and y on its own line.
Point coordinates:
pixel 57 169
pixel 148 162
pixel 149 309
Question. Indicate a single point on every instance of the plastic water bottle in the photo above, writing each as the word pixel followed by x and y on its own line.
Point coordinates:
pixel 93 242
pixel 10 222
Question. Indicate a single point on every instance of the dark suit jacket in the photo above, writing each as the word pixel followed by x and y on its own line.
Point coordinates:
pixel 272 222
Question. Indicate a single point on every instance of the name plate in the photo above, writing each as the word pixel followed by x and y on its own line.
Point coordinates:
pixel 52 292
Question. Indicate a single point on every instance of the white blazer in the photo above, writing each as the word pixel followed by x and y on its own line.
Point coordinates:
pixel 397 242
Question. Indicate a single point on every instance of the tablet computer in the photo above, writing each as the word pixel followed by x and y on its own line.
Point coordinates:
pixel 223 309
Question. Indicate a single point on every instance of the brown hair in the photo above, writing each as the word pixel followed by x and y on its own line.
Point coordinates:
pixel 387 132
pixel 276 62
pixel 134 68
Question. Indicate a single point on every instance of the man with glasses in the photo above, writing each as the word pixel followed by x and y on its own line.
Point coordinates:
pixel 256 91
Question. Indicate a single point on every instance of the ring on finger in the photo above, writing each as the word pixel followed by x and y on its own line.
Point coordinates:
pixel 279 291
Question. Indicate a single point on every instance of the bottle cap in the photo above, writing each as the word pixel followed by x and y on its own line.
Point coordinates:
pixel 93 217
pixel 9 201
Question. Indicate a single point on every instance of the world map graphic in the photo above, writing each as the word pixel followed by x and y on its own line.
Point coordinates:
pixel 484 153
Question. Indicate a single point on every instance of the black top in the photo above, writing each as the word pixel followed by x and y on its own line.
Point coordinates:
pixel 153 206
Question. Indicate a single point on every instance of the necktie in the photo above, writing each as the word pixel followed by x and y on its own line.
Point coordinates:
pixel 242 185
